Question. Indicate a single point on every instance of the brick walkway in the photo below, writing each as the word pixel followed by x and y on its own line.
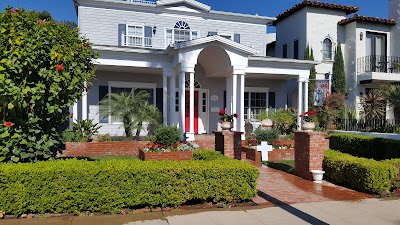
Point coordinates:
pixel 278 187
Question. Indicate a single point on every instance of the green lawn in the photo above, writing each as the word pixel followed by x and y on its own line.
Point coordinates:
pixel 285 166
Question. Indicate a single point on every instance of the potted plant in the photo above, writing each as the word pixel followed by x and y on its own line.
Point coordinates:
pixel 308 123
pixel 226 120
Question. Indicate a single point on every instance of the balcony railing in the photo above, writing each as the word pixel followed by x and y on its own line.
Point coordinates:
pixel 146 42
pixel 141 1
pixel 378 63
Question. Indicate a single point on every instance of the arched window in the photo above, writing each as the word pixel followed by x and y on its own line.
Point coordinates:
pixel 196 84
pixel 181 31
pixel 182 25
pixel 327 49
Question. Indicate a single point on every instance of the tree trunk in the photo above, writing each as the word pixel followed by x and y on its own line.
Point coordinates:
pixel 396 112
pixel 127 127
pixel 138 129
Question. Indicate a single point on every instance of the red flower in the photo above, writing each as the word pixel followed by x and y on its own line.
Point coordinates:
pixel 278 141
pixel 59 67
pixel 284 145
pixel 236 115
pixel 8 124
pixel 153 146
pixel 41 22
pixel 71 115
pixel 85 45
pixel 301 115
pixel 222 112
pixel 12 11
pixel 273 143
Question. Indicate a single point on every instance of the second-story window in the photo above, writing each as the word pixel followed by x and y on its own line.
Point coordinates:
pixel 135 35
pixel 284 51
pixel 327 49
pixel 296 49
pixel 181 32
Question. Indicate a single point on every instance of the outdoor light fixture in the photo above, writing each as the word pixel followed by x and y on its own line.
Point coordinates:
pixel 154 30
pixel 361 36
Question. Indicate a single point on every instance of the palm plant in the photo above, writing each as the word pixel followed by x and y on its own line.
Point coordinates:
pixel 392 94
pixel 133 108
pixel 374 104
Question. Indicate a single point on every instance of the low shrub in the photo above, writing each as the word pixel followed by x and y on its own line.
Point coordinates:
pixel 71 186
pixel 207 155
pixel 366 175
pixel 166 135
pixel 364 146
pixel 268 135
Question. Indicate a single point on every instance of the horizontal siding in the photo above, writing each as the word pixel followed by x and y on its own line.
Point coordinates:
pixel 100 25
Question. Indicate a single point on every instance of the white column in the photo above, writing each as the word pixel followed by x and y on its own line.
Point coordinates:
pixel 75 112
pixel 191 107
pixel 165 100
pixel 172 99
pixel 234 100
pixel 182 102
pixel 300 103
pixel 84 103
pixel 306 96
pixel 241 109
pixel 229 95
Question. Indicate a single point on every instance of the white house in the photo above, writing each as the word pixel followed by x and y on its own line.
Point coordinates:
pixel 371 46
pixel 194 61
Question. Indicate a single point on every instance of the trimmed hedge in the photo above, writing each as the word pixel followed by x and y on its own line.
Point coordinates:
pixel 71 186
pixel 207 155
pixel 366 175
pixel 364 146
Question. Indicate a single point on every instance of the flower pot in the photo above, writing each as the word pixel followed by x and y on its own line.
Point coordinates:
pixel 317 176
pixel 307 126
pixel 226 125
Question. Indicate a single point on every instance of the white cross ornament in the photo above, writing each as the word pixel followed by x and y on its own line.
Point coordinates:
pixel 264 148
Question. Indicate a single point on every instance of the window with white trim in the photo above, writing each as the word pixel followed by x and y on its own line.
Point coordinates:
pixel 327 49
pixel 134 35
pixel 181 32
pixel 254 102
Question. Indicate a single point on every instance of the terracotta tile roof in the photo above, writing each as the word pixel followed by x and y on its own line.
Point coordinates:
pixel 315 4
pixel 367 19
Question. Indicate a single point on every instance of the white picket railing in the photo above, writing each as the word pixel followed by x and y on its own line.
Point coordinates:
pixel 145 42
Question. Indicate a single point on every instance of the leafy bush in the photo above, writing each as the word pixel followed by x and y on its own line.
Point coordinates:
pixel 268 135
pixel 82 131
pixel 68 186
pixel 167 135
pixel 366 175
pixel 44 66
pixel 104 138
pixel 284 120
pixel 364 146
pixel 207 155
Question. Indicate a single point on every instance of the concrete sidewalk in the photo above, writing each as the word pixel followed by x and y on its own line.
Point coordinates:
pixel 369 211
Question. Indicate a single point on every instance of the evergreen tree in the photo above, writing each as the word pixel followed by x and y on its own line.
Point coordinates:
pixel 339 77
pixel 309 55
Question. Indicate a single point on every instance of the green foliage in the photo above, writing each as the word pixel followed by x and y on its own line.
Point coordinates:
pixel 43 69
pixel 392 94
pixel 132 108
pixel 366 175
pixel 67 186
pixel 268 135
pixel 339 76
pixel 263 115
pixel 373 104
pixel 207 155
pixel 284 120
pixel 104 138
pixel 367 147
pixel 285 165
pixel 167 135
pixel 82 131
pixel 309 55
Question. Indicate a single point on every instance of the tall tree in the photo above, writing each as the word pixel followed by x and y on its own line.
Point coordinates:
pixel 309 55
pixel 339 77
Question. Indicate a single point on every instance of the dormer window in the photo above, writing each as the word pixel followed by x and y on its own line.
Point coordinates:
pixel 327 49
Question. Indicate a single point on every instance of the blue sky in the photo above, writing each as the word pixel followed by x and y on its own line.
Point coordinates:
pixel 64 9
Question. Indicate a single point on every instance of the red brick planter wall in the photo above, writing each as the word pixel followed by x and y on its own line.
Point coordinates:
pixel 251 156
pixel 157 156
pixel 281 154
pixel 88 149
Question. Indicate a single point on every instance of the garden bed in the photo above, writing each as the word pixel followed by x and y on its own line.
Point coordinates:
pixel 157 156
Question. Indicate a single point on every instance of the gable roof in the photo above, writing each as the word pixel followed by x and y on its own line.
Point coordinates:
pixel 315 4
pixel 367 19
pixel 193 3
pixel 214 38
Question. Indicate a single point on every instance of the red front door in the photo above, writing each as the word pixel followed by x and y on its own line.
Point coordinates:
pixel 196 111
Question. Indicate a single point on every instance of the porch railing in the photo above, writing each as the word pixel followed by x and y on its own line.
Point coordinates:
pixel 378 63
pixel 146 42
pixel 368 125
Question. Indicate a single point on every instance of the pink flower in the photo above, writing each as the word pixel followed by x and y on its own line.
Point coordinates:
pixel 85 45
pixel 59 67
pixel 12 11
pixel 41 22
pixel 8 124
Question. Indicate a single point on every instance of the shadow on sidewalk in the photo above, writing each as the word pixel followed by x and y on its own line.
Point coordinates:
pixel 292 210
